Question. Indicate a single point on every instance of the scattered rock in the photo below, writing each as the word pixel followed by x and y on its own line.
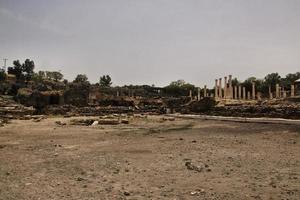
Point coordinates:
pixel 79 179
pixel 126 193
pixel 198 192
pixel 190 166
pixel 60 123
pixel 95 123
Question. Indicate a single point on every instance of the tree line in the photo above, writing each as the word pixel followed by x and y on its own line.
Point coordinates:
pixel 24 73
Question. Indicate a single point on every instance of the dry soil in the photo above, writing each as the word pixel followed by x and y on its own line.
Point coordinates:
pixel 149 158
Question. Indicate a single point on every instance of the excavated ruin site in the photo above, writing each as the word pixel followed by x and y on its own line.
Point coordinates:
pixel 74 144
pixel 150 100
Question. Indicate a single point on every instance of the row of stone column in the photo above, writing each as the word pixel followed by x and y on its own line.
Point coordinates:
pixel 232 92
pixel 239 92
pixel 280 92
pixel 205 93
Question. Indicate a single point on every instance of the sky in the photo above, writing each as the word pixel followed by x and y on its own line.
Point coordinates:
pixel 153 41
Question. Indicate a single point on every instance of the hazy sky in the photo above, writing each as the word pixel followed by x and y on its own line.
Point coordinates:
pixel 153 41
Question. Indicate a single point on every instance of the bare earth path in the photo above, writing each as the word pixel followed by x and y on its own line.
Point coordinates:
pixel 149 158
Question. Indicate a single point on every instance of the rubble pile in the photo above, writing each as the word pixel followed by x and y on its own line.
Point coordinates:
pixel 204 105
pixel 93 110
pixel 277 108
pixel 278 111
pixel 117 101
pixel 273 109
pixel 9 109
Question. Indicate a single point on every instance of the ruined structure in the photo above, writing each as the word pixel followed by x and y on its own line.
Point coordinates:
pixel 237 92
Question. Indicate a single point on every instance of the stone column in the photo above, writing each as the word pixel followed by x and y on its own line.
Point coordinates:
pixel 220 88
pixel 225 87
pixel 205 94
pixel 199 93
pixel 270 92
pixel 253 90
pixel 118 93
pixel 280 92
pixel 248 95
pixel 216 88
pixel 235 92
pixel 244 93
pixel 230 92
pixel 277 91
pixel 240 92
pixel 284 93
pixel 190 95
pixel 292 90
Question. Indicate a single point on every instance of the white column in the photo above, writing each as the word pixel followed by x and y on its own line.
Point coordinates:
pixel 235 92
pixel 216 88
pixel 244 93
pixel 277 91
pixel 225 87
pixel 230 92
pixel 220 88
pixel 292 90
pixel 253 90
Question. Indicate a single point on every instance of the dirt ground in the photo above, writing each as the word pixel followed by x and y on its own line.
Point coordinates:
pixel 149 158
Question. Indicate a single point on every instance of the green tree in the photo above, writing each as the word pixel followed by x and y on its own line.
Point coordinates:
pixel 81 78
pixel 57 76
pixel 65 81
pixel 179 88
pixel 248 83
pixel 23 72
pixel 105 81
pixel 28 69
pixel 16 70
pixel 41 74
pixel 290 79
pixel 235 82
pixel 272 79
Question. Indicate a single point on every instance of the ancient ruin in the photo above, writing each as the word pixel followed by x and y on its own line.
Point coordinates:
pixel 150 100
